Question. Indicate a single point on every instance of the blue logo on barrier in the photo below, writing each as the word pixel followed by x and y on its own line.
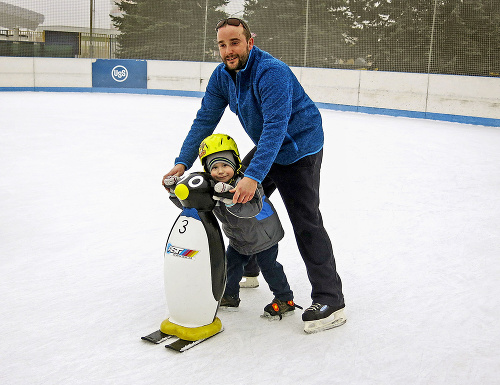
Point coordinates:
pixel 119 73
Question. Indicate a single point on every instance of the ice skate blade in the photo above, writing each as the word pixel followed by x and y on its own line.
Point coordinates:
pixel 271 318
pixel 249 283
pixel 336 319
pixel 229 309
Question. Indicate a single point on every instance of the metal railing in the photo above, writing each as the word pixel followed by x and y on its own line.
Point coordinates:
pixel 33 43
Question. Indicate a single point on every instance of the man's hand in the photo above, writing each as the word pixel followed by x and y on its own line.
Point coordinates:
pixel 178 170
pixel 244 190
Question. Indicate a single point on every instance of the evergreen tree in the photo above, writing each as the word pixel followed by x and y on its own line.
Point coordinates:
pixel 279 27
pixel 468 38
pixel 294 33
pixel 397 33
pixel 167 29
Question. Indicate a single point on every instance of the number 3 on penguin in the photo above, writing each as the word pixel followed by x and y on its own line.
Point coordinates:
pixel 182 230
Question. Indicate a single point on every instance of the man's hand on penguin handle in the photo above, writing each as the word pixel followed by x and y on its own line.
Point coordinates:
pixel 170 181
pixel 177 171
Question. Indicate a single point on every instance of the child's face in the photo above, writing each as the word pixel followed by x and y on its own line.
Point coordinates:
pixel 222 172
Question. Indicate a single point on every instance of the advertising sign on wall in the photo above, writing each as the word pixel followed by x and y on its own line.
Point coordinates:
pixel 117 73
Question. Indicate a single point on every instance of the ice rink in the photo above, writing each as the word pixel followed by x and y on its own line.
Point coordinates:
pixel 412 207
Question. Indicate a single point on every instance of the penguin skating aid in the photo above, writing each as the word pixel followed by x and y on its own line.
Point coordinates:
pixel 194 268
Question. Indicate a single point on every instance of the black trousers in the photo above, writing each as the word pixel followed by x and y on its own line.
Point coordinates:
pixel 298 185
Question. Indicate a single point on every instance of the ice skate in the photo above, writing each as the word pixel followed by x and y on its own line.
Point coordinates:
pixel 318 317
pixel 229 303
pixel 249 282
pixel 278 309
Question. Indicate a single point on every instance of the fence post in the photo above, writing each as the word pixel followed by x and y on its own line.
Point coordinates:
pixel 432 37
pixel 91 42
pixel 307 32
pixel 205 30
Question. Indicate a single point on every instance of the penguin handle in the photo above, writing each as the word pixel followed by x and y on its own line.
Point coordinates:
pixel 221 193
pixel 170 181
pixel 222 187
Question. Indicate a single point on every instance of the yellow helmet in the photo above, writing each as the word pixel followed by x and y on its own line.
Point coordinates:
pixel 217 143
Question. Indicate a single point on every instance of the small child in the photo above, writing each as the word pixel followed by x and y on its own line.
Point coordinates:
pixel 253 228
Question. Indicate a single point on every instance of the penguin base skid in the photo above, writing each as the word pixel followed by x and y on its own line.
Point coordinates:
pixel 189 337
pixel 157 337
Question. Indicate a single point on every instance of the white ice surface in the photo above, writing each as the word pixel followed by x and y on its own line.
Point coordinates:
pixel 412 207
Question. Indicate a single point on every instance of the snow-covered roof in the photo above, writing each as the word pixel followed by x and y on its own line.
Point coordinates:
pixel 12 16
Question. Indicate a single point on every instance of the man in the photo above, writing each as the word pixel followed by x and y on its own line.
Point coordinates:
pixel 286 127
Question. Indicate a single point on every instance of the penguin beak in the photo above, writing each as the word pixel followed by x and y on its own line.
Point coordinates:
pixel 181 191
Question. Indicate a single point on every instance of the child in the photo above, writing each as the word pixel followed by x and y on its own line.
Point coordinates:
pixel 253 228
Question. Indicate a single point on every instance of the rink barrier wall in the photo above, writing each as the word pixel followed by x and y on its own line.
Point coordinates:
pixel 464 99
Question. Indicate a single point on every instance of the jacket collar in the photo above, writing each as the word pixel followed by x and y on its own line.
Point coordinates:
pixel 251 59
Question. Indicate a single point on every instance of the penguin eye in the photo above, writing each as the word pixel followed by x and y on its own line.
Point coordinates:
pixel 196 181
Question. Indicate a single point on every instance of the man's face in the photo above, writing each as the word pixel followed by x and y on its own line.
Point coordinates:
pixel 233 46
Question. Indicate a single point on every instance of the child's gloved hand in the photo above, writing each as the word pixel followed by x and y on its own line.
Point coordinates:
pixel 222 187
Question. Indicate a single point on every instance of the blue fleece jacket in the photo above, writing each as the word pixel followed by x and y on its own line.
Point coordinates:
pixel 272 107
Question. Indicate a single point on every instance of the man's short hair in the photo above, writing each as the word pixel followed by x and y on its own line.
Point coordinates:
pixel 235 21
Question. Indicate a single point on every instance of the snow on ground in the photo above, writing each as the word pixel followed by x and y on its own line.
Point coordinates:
pixel 412 207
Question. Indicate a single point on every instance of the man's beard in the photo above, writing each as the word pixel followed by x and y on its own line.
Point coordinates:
pixel 242 61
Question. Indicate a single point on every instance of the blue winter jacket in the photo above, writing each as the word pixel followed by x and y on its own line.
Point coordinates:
pixel 272 107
